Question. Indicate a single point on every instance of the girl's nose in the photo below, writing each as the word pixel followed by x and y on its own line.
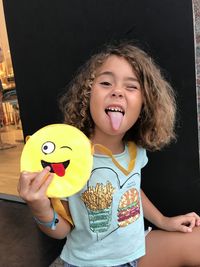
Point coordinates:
pixel 117 93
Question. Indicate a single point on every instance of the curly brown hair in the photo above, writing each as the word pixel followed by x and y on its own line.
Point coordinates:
pixel 155 126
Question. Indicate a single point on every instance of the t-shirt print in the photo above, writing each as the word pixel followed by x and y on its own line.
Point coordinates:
pixel 103 209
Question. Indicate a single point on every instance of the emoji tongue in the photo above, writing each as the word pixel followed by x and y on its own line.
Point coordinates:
pixel 58 168
pixel 115 118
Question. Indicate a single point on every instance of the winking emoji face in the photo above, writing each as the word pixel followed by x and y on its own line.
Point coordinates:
pixel 66 150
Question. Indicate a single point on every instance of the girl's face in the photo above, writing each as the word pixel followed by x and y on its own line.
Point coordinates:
pixel 116 98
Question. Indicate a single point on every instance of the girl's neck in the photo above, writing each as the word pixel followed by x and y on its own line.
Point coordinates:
pixel 114 143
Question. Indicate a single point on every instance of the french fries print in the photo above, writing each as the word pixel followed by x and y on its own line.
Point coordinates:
pixel 99 197
pixel 98 201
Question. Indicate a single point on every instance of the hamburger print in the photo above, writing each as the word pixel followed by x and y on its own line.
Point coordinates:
pixel 129 208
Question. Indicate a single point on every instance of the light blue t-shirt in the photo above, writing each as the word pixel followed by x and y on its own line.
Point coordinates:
pixel 108 215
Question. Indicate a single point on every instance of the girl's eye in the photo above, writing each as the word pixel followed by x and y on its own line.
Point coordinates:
pixel 48 147
pixel 105 83
pixel 132 87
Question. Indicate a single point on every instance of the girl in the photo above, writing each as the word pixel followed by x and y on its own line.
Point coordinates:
pixel 120 100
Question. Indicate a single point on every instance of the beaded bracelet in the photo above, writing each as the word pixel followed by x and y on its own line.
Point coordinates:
pixel 51 224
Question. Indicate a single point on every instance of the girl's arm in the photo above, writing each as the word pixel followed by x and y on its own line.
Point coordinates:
pixel 32 188
pixel 182 223
pixel 63 227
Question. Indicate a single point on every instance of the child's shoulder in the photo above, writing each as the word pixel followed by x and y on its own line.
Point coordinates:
pixel 138 152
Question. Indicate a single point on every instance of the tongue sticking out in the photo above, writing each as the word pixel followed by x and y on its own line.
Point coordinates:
pixel 58 169
pixel 116 119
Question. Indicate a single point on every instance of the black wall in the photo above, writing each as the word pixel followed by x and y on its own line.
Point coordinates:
pixel 50 39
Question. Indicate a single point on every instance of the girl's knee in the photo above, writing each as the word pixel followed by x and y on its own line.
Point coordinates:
pixel 172 249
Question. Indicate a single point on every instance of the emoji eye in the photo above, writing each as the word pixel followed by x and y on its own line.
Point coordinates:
pixel 48 147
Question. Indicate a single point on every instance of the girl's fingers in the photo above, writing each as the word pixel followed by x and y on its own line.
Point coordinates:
pixel 187 224
pixel 185 229
pixel 25 181
pixel 39 179
pixel 195 216
pixel 46 183
pixel 192 223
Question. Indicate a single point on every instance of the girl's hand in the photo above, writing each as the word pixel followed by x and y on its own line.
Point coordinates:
pixel 183 223
pixel 32 188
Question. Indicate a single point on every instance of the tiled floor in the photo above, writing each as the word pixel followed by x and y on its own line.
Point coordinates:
pixel 10 150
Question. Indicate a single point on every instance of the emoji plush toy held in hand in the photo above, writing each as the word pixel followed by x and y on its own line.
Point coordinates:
pixel 66 150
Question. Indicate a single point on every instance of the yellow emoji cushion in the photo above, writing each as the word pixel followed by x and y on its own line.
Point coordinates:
pixel 68 153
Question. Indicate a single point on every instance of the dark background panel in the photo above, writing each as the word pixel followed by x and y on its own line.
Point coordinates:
pixel 49 40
